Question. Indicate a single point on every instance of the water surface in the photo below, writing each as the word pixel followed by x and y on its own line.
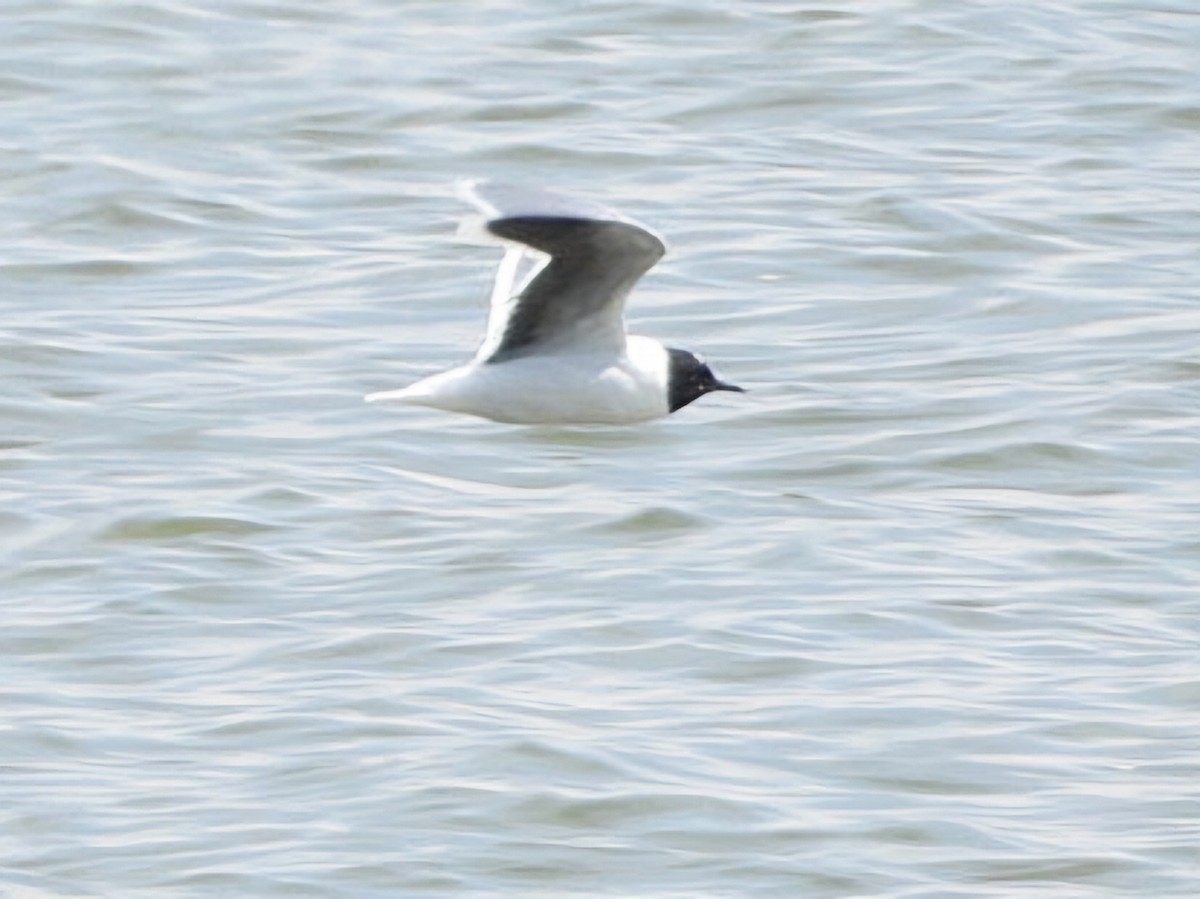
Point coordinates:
pixel 914 618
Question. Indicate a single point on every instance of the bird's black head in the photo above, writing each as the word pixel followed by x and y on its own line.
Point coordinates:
pixel 689 378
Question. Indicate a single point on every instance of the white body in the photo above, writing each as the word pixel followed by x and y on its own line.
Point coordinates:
pixel 591 387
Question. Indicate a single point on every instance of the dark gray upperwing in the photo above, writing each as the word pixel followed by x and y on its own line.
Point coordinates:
pixel 579 295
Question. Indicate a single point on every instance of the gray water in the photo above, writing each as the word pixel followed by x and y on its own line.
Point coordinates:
pixel 916 617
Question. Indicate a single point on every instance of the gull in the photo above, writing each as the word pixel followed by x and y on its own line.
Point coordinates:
pixel 555 350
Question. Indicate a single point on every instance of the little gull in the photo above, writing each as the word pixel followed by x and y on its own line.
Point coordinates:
pixel 556 351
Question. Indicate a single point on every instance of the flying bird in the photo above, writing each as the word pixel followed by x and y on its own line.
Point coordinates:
pixel 556 350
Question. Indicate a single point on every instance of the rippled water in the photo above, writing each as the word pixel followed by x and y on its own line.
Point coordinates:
pixel 917 617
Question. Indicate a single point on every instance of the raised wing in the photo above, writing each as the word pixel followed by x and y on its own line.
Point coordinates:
pixel 569 266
